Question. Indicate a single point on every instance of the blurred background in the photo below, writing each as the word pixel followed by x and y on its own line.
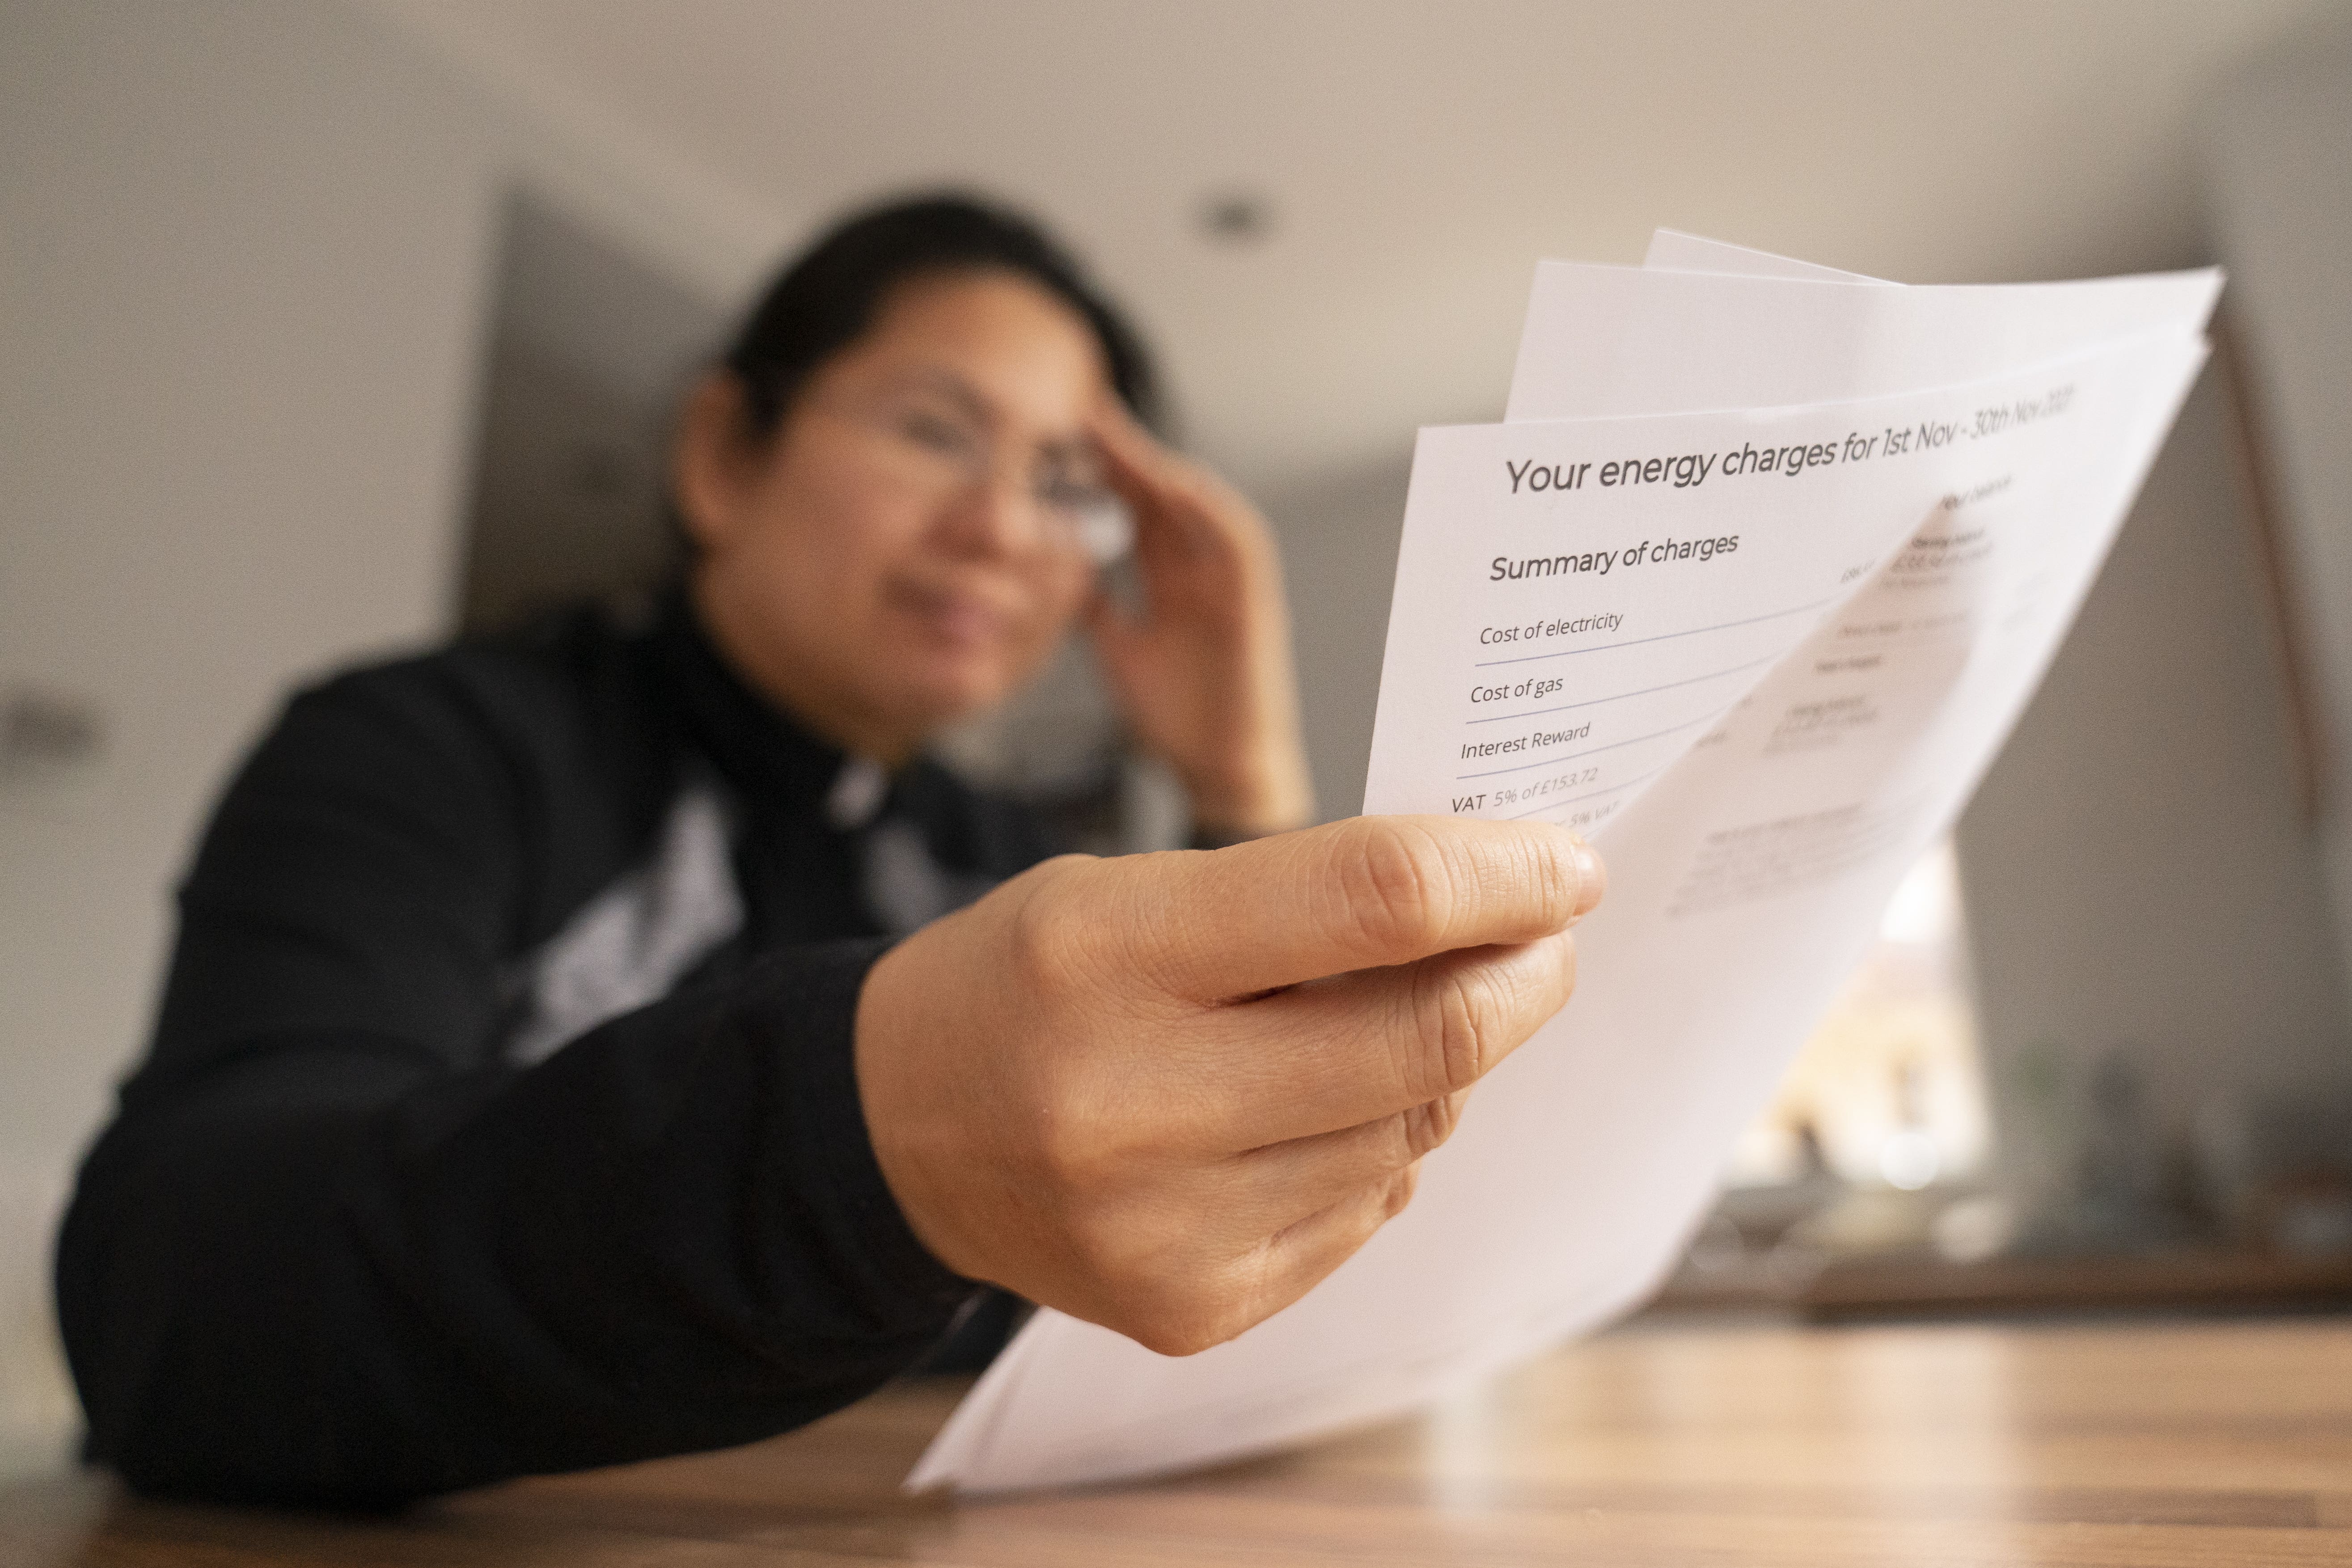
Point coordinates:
pixel 329 327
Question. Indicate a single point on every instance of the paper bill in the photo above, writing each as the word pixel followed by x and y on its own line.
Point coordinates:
pixel 1760 656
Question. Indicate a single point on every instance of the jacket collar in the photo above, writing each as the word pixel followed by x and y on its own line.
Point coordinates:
pixel 764 754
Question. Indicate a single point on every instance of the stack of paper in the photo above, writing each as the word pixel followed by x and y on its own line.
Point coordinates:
pixel 1749 587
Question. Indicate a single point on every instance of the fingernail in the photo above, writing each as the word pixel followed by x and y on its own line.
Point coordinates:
pixel 1592 875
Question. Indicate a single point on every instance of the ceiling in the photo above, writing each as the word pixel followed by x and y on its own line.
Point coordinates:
pixel 1415 159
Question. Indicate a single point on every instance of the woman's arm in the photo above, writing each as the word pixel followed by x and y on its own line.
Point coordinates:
pixel 333 1249
pixel 1203 670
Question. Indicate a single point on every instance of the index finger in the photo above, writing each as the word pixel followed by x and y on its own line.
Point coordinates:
pixel 1126 443
pixel 1361 894
pixel 1168 494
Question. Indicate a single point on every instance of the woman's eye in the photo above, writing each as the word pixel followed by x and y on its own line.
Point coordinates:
pixel 935 432
pixel 1062 482
pixel 1070 492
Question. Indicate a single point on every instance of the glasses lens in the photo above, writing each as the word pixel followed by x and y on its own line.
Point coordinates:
pixel 1103 528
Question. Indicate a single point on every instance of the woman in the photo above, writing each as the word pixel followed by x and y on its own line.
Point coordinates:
pixel 540 1081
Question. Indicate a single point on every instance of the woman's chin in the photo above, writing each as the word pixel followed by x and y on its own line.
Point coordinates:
pixel 948 691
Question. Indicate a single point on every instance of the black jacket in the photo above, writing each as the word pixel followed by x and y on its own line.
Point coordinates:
pixel 359 1231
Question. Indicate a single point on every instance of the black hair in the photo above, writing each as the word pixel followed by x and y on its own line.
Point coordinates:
pixel 828 298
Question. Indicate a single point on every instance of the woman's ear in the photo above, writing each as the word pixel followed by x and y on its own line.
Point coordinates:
pixel 713 461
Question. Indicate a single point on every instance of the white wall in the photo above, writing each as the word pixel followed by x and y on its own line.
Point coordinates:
pixel 2136 871
pixel 245 254
pixel 2279 177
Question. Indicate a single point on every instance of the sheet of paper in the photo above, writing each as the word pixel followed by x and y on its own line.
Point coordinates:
pixel 1671 250
pixel 1602 340
pixel 1760 656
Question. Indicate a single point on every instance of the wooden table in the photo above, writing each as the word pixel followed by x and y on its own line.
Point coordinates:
pixel 2174 1443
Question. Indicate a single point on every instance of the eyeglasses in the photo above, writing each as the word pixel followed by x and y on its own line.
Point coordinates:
pixel 928 444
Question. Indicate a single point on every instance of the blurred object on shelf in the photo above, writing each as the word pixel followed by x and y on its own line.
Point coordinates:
pixel 2275 1170
pixel 1888 1090
pixel 1972 1229
pixel 2132 1188
pixel 2251 1213
pixel 2308 1213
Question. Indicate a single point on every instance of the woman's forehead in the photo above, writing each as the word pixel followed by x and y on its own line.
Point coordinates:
pixel 994 336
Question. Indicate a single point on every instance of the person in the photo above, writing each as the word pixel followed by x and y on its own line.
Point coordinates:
pixel 605 1042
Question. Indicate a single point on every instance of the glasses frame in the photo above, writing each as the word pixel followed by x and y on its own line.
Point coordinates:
pixel 1091 520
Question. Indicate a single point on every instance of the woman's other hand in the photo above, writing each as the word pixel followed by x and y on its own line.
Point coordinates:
pixel 1203 672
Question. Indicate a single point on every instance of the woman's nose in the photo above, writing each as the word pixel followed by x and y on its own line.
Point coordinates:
pixel 993 514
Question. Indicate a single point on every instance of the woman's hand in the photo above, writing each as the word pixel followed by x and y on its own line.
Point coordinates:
pixel 1203 674
pixel 1167 1094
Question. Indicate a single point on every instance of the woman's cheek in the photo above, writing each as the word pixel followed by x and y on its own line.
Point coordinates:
pixel 1058 601
pixel 1067 587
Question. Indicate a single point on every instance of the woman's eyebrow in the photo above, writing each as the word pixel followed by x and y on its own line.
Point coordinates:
pixel 954 387
pixel 1075 448
pixel 948 384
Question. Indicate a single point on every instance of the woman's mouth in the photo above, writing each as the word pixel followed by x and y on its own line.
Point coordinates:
pixel 961 619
